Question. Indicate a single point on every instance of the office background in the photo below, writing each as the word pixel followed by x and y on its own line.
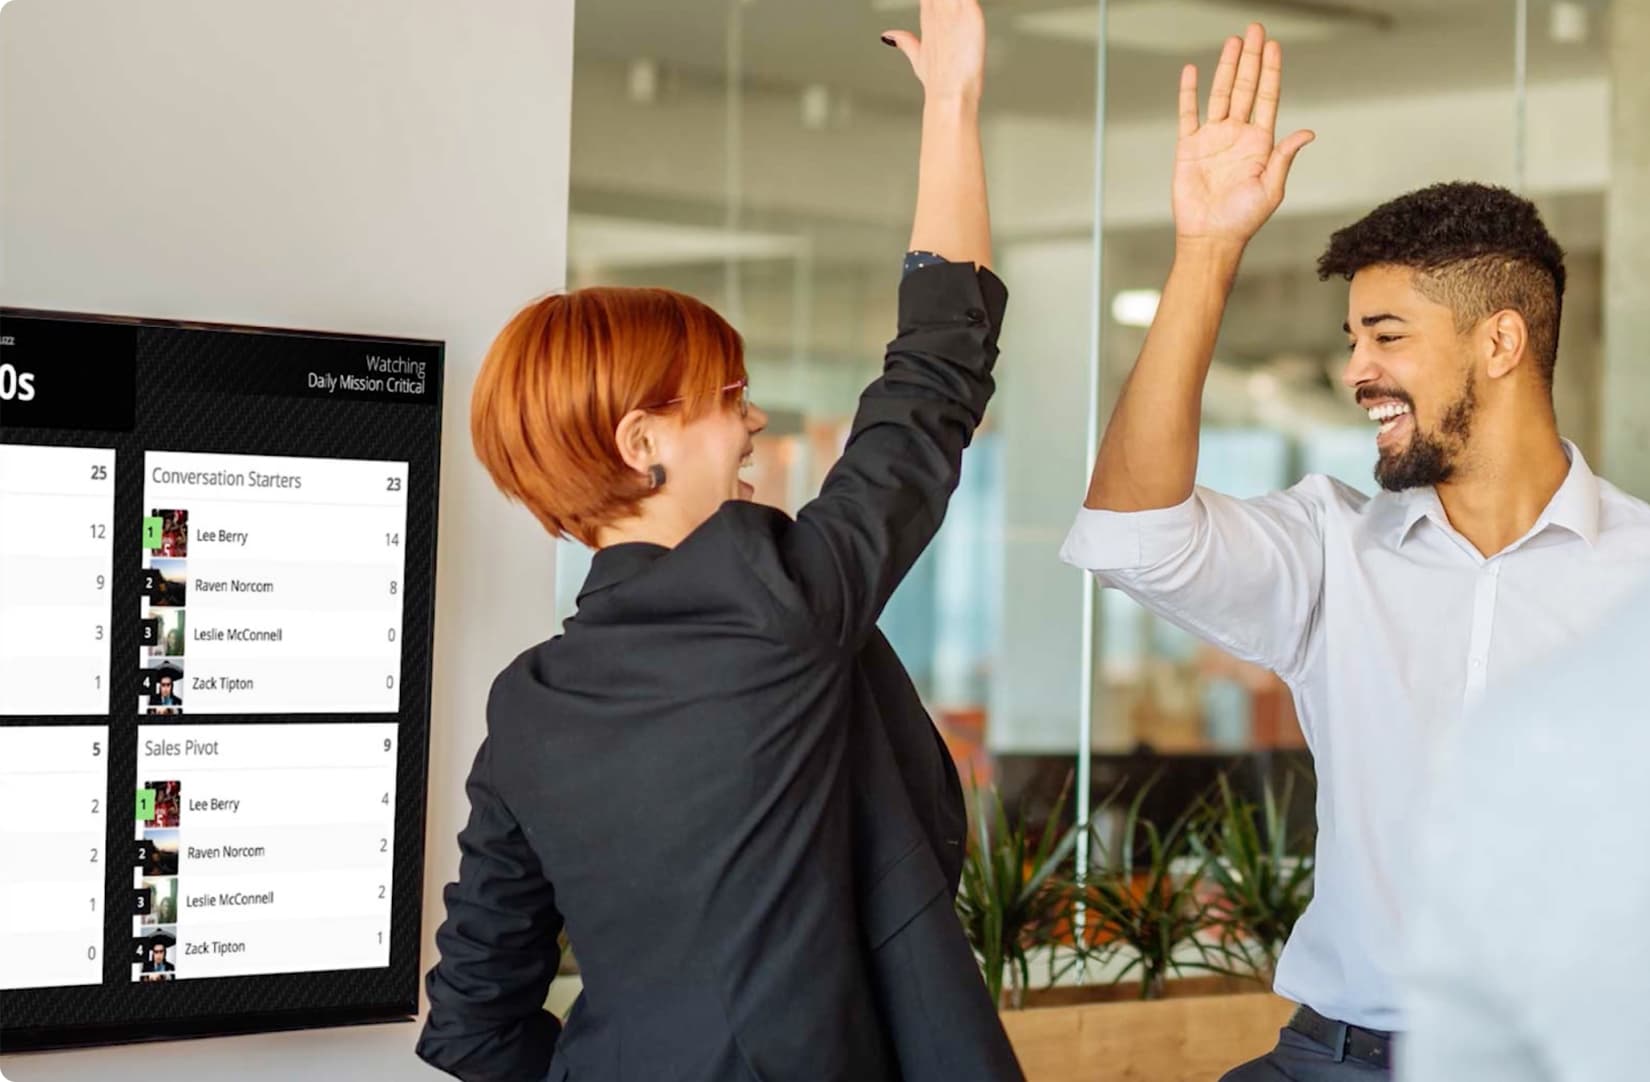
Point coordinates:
pixel 422 167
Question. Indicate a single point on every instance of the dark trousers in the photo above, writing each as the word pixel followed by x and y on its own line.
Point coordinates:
pixel 1298 1058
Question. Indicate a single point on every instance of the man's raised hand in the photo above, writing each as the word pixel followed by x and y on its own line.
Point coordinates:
pixel 1229 171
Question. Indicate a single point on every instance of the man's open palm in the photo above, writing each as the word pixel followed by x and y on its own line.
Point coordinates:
pixel 1229 172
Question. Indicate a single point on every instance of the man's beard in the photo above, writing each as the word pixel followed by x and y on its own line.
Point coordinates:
pixel 1430 458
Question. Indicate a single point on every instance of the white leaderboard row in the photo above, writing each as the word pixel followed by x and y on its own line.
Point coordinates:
pixel 254 849
pixel 56 571
pixel 270 584
pixel 53 793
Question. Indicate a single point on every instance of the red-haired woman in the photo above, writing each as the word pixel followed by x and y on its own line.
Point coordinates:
pixel 719 779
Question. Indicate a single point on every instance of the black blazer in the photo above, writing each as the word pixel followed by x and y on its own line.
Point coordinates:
pixel 722 780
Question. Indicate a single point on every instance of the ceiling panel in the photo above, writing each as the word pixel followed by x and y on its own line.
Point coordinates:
pixel 1043 53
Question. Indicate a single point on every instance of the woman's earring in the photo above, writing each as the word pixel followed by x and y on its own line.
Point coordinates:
pixel 655 476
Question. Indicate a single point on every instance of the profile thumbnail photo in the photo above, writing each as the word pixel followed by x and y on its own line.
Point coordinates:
pixel 157 900
pixel 160 853
pixel 165 683
pixel 169 632
pixel 159 950
pixel 166 582
pixel 168 804
pixel 174 533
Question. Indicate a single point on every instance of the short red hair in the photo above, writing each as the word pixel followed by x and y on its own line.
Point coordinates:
pixel 562 374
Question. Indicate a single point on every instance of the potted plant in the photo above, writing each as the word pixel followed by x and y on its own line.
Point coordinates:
pixel 1261 875
pixel 1010 896
pixel 1140 901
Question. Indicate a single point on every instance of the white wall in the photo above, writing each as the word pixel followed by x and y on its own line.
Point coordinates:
pixel 390 166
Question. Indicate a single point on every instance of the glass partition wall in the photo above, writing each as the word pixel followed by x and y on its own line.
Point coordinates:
pixel 761 155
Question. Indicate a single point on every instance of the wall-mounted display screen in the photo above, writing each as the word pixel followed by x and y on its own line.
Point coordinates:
pixel 217 556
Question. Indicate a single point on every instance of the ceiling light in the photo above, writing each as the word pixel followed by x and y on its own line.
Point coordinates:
pixel 602 243
pixel 1179 27
pixel 1135 307
pixel 1263 386
pixel 816 106
pixel 642 81
pixel 842 110
pixel 1567 23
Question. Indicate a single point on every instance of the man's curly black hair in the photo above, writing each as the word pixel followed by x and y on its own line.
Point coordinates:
pixel 1479 249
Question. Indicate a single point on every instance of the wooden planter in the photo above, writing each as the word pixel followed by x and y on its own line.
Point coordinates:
pixel 1078 995
pixel 1190 1039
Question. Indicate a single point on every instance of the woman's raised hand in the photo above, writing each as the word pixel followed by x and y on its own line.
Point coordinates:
pixel 949 56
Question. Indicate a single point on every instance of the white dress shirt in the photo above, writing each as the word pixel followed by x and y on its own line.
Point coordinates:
pixel 1528 958
pixel 1387 626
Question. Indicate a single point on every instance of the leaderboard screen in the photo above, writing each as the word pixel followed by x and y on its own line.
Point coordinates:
pixel 217 551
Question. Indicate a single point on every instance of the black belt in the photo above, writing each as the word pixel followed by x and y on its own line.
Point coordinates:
pixel 1347 1042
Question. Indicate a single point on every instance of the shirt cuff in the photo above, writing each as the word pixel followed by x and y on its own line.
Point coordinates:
pixel 952 294
pixel 919 260
pixel 1102 541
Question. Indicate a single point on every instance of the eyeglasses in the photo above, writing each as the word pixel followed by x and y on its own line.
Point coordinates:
pixel 742 403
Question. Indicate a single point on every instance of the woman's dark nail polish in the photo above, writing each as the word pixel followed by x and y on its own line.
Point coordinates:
pixel 888 41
